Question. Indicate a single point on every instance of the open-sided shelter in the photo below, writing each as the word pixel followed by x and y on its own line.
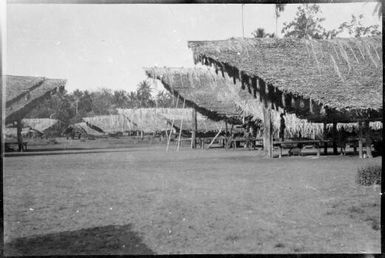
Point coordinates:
pixel 323 81
pixel 111 123
pixel 23 93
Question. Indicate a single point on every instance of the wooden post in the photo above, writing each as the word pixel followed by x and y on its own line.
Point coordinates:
pixel 180 128
pixel 194 129
pixel 19 128
pixel 226 135
pixel 172 126
pixel 335 151
pixel 325 143
pixel 360 139
pixel 268 132
pixel 368 140
pixel 216 136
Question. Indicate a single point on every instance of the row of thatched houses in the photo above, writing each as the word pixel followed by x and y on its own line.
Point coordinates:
pixel 290 86
pixel 314 84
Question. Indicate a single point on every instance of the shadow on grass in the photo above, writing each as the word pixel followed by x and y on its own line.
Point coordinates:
pixel 104 240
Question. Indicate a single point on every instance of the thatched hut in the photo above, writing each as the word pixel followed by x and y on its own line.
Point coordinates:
pixel 202 90
pixel 217 98
pixel 322 81
pixel 111 124
pixel 83 129
pixel 146 120
pixel 40 124
pixel 23 93
pixel 153 120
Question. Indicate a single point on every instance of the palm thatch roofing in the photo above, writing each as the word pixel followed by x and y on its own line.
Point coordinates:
pixel 111 123
pixel 85 128
pixel 199 86
pixel 23 93
pixel 343 76
pixel 161 119
pixel 205 91
pixel 203 125
pixel 39 124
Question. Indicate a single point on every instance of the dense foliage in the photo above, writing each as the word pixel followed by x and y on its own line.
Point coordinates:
pixel 369 175
pixel 308 24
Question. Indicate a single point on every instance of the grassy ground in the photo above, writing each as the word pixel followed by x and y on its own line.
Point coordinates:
pixel 144 200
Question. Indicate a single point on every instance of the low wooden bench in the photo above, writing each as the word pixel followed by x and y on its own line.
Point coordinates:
pixel 236 140
pixel 8 144
pixel 203 140
pixel 294 143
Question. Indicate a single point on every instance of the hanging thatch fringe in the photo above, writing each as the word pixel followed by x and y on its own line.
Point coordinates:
pixel 200 83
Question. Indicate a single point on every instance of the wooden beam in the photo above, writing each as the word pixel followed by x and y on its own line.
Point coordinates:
pixel 172 126
pixel 325 137
pixel 195 127
pixel 19 128
pixel 335 151
pixel 216 136
pixel 360 152
pixel 368 140
pixel 267 131
pixel 180 128
pixel 311 106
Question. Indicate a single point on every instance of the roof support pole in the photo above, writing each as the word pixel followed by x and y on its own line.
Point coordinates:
pixel 368 140
pixel 180 128
pixel 194 129
pixel 360 139
pixel 19 128
pixel 267 131
pixel 325 143
pixel 172 126
pixel 335 151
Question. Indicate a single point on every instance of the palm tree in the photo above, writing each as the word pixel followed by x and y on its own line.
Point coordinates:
pixel 279 8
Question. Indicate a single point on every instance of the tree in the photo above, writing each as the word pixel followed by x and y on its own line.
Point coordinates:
pixel 355 27
pixel 260 33
pixel 307 24
pixel 102 102
pixel 143 94
pixel 164 99
pixel 120 99
pixel 279 8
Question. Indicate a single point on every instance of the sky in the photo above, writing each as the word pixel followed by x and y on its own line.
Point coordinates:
pixel 107 46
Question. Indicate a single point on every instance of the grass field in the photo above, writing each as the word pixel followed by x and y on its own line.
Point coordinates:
pixel 141 200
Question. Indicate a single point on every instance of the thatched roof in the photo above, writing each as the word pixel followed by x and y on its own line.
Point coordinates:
pixel 39 124
pixel 145 119
pixel 25 92
pixel 161 119
pixel 111 123
pixel 343 75
pixel 203 125
pixel 205 91
pixel 88 129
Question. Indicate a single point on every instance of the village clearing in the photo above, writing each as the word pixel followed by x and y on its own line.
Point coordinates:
pixel 144 200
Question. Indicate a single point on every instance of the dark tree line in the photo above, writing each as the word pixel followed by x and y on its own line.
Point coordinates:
pixel 71 107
